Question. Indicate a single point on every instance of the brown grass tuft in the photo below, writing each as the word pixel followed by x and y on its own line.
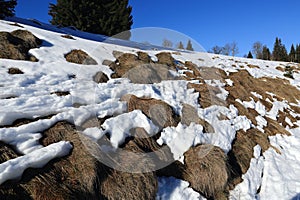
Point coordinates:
pixel 80 57
pixel 158 111
pixel 140 154
pixel 206 169
pixel 14 70
pixel 122 185
pixel 165 58
pixel 71 177
pixel 67 36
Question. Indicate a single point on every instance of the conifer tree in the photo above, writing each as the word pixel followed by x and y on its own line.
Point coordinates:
pixel 279 51
pixel 249 55
pixel 276 49
pixel 189 46
pixel 266 54
pixel 292 54
pixel 180 45
pixel 297 55
pixel 7 8
pixel 107 17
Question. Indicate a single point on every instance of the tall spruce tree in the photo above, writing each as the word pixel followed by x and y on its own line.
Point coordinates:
pixel 297 55
pixel 266 54
pixel 279 51
pixel 276 49
pixel 107 17
pixel 7 8
pixel 189 46
pixel 292 54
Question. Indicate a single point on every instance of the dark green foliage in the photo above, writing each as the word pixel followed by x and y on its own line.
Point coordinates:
pixel 266 54
pixel 107 17
pixel 7 8
pixel 279 51
pixel 292 54
pixel 189 46
pixel 249 55
pixel 297 54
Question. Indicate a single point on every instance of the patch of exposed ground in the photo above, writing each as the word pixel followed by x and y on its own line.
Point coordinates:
pixel 80 57
pixel 16 45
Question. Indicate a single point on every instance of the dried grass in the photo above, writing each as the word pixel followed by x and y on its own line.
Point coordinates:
pixel 158 111
pixel 206 169
pixel 80 57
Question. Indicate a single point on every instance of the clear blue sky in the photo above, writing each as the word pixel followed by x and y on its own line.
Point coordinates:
pixel 209 22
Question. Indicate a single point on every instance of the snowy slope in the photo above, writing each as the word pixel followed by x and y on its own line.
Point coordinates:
pixel 274 175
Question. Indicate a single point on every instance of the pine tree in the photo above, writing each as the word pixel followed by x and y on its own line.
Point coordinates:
pixel 297 55
pixel 7 8
pixel 189 46
pixel 249 55
pixel 107 17
pixel 180 45
pixel 266 54
pixel 292 54
pixel 276 49
pixel 279 51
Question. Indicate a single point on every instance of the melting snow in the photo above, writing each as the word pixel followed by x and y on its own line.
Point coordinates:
pixel 28 95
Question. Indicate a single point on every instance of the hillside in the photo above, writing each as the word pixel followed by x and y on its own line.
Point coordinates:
pixel 83 116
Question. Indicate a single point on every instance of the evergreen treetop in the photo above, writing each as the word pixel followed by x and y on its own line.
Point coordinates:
pixel 266 54
pixel 297 54
pixel 292 54
pixel 249 55
pixel 107 17
pixel 7 8
pixel 180 45
pixel 279 51
pixel 189 46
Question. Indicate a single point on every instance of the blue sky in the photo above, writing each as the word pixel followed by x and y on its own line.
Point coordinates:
pixel 209 22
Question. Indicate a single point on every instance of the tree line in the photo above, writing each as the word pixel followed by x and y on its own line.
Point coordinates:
pixel 279 52
pixel 169 44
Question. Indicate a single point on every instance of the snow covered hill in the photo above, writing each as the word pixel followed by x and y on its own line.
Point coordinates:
pixel 85 116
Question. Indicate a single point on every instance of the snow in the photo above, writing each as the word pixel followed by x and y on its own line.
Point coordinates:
pixel 229 82
pixel 181 138
pixel 119 127
pixel 258 106
pixel 94 133
pixel 270 176
pixel 175 189
pixel 251 180
pixel 277 106
pixel 14 168
pixel 218 84
pixel 282 171
pixel 261 122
